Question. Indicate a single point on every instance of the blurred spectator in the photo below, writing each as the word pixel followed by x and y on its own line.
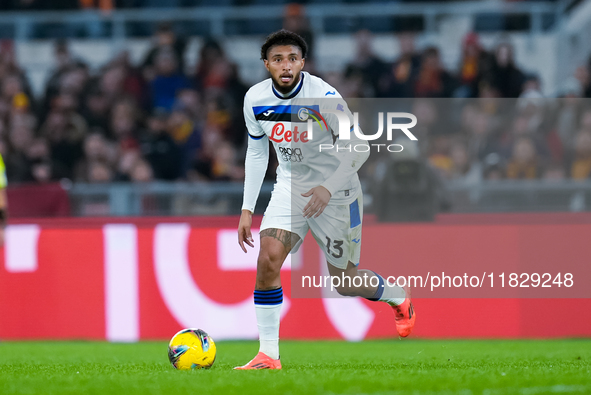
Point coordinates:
pixel 473 66
pixel 524 163
pixel 528 121
pixel 366 65
pixel 165 37
pixel 15 86
pixel 432 80
pixel 20 137
pixel 95 109
pixel 439 155
pixel 38 155
pixel 133 82
pixel 224 166
pixel 96 150
pixel 478 128
pixel 398 80
pixel 141 172
pixel 124 125
pixel 580 169
pixel 506 77
pixel 463 168
pixel 167 81
pixel 186 134
pixel 64 62
pixel 190 100
pixel 160 150
pixel 565 118
pixel 493 167
pixel 209 55
pixel 13 93
pixel 99 172
pixel 65 131
pixel 294 20
pixel 453 161
pixel 532 86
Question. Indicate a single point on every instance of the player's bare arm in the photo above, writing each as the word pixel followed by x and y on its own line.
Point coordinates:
pixel 244 234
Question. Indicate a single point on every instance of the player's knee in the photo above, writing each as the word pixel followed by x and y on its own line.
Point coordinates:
pixel 268 266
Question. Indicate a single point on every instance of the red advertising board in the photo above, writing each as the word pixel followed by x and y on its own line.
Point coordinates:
pixel 133 279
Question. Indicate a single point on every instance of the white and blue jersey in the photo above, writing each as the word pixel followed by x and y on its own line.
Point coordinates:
pixel 284 120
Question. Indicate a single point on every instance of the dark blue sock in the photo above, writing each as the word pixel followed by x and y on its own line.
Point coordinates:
pixel 380 291
pixel 269 297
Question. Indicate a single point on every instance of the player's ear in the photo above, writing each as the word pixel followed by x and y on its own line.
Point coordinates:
pixel 303 62
pixel 266 64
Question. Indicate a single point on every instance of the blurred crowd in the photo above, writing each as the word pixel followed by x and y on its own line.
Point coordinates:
pixel 161 120
pixel 497 125
pixel 127 122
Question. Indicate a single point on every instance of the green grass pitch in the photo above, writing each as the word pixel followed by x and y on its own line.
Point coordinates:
pixel 406 366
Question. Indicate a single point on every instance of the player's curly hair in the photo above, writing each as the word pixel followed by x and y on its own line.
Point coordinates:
pixel 284 37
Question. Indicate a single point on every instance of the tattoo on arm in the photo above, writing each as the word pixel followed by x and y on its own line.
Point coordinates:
pixel 288 239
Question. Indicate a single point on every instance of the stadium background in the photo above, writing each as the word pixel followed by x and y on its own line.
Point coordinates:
pixel 121 125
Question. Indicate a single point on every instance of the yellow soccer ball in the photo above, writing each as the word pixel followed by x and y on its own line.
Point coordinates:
pixel 191 349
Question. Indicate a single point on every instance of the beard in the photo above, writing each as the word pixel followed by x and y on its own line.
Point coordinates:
pixel 282 88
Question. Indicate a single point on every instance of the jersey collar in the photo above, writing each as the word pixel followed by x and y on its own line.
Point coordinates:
pixel 293 93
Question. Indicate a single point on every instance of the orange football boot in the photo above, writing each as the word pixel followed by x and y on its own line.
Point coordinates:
pixel 261 361
pixel 405 316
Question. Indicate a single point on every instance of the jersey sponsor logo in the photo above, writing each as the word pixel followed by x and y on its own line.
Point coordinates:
pixel 291 154
pixel 279 134
pixel 333 93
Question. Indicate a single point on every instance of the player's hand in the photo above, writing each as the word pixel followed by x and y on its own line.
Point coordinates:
pixel 244 235
pixel 318 201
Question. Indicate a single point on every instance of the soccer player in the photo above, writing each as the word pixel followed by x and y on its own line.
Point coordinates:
pixel 316 190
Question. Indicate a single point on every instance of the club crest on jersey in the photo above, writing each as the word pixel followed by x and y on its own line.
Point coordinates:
pixel 303 114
